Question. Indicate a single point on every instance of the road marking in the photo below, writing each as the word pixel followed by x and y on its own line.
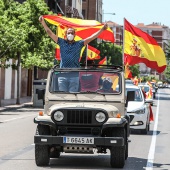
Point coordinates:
pixel 9 120
pixel 150 160
pixel 14 154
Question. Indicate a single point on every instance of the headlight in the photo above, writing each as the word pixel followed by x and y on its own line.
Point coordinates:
pixel 140 111
pixel 58 116
pixel 100 117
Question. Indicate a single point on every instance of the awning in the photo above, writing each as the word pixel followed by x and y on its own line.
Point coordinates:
pixel 69 10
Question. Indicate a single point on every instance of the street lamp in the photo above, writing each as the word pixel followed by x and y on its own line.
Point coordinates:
pixel 110 13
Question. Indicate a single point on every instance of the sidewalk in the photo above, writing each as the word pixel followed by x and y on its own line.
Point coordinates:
pixel 11 103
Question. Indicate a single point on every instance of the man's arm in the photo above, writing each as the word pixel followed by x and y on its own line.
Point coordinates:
pixel 48 30
pixel 95 35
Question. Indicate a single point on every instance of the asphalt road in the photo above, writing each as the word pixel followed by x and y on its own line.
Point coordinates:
pixel 149 151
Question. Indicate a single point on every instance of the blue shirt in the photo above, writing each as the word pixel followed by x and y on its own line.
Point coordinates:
pixel 70 53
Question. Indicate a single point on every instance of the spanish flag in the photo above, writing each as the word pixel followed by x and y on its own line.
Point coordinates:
pixel 84 28
pixel 128 73
pixel 103 61
pixel 140 47
pixel 93 53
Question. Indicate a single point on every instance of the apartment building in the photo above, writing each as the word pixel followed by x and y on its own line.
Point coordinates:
pixel 118 32
pixel 92 9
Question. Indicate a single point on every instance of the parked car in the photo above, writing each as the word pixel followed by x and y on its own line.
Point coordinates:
pixel 148 91
pixel 138 110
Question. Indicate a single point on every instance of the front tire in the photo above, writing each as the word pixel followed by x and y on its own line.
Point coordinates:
pixel 117 157
pixel 42 151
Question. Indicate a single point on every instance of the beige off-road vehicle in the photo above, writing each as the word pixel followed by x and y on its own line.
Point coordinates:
pixel 93 117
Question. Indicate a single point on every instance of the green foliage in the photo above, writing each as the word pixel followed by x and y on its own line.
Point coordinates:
pixel 20 31
pixel 111 51
pixel 167 71
pixel 148 78
pixel 135 70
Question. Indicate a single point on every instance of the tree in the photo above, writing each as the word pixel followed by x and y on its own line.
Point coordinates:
pixel 135 70
pixel 167 71
pixel 42 48
pixel 22 37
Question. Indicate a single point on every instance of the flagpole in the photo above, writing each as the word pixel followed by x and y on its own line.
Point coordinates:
pixel 123 59
pixel 86 55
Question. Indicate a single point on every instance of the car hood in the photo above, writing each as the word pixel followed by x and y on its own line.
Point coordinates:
pixel 109 108
pixel 134 106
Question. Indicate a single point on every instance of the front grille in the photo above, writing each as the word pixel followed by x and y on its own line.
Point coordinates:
pixel 79 117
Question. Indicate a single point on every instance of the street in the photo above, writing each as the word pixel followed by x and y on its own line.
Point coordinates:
pixel 149 151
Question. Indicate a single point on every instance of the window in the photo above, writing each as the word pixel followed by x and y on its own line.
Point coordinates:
pixel 84 13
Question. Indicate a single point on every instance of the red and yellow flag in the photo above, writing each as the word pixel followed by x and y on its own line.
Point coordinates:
pixel 140 47
pixel 128 73
pixel 135 81
pixel 149 94
pixel 84 28
pixel 93 53
pixel 103 61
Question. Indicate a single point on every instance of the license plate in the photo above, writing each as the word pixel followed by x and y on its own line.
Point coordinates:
pixel 78 140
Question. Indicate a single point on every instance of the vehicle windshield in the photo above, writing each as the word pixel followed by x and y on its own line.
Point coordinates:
pixel 85 81
pixel 138 94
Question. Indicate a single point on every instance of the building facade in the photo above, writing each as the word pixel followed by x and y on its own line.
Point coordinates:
pixel 92 9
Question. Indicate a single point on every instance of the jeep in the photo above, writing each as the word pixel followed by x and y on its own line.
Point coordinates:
pixel 92 118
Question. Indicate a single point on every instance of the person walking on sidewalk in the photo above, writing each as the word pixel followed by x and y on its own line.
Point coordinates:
pixel 70 53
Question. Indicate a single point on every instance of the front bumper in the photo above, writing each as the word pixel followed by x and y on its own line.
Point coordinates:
pixel 138 121
pixel 59 140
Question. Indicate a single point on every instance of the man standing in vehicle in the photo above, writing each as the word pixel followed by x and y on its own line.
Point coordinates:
pixel 70 53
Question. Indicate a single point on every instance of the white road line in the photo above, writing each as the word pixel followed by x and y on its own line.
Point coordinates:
pixel 150 160
pixel 17 118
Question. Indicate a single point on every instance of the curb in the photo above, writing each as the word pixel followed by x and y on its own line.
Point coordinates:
pixel 15 107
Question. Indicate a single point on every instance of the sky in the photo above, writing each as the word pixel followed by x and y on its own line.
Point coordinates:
pixel 142 11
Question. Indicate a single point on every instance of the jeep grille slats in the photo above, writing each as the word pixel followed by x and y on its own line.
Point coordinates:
pixel 79 116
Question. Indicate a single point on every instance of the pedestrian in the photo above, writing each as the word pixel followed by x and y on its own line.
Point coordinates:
pixel 70 53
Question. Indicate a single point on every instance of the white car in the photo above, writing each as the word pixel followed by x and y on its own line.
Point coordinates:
pixel 138 110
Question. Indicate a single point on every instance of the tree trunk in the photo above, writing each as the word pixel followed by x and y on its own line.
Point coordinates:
pixel 18 78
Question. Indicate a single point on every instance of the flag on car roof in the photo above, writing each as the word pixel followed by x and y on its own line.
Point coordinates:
pixel 84 28
pixel 93 53
pixel 103 61
pixel 140 47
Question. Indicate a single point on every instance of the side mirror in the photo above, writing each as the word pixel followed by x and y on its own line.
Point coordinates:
pixel 41 93
pixel 130 97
